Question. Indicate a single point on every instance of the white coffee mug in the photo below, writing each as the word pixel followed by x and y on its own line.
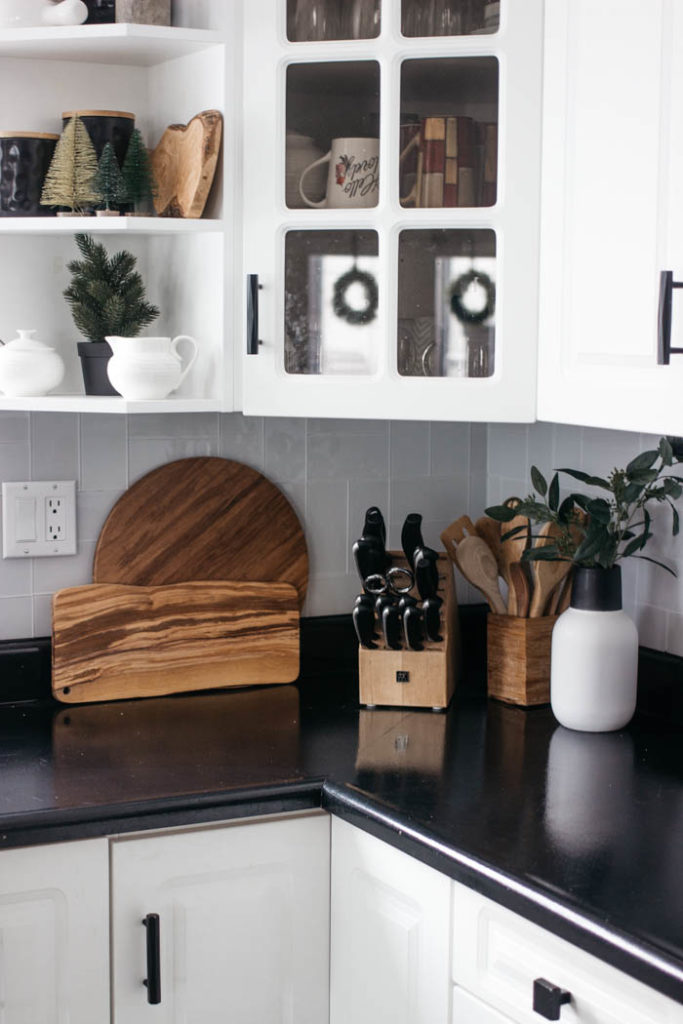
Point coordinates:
pixel 353 177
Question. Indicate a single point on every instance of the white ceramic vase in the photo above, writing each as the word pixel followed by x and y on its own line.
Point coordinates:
pixel 594 656
pixel 143 369
pixel 29 367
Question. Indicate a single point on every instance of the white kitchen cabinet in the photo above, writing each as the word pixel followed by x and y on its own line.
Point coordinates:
pixel 54 934
pixel 388 310
pixel 612 216
pixel 164 76
pixel 243 921
pixel 390 924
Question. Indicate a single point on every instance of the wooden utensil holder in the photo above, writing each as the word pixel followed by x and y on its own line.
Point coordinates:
pixel 518 658
pixel 416 679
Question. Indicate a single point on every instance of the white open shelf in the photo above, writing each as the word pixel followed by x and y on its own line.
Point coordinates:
pixel 93 403
pixel 136 45
pixel 107 225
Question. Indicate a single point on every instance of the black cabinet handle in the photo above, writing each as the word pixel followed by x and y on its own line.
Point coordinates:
pixel 666 287
pixel 253 288
pixel 549 999
pixel 153 979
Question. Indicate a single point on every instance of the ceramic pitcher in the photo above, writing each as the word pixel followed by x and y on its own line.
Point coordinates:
pixel 148 368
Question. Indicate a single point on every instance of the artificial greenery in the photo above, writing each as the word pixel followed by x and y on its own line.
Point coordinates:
pixel 70 179
pixel 106 294
pixel 595 531
pixel 138 176
pixel 109 180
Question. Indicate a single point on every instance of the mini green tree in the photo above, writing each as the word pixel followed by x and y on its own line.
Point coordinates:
pixel 138 176
pixel 109 180
pixel 106 294
pixel 70 180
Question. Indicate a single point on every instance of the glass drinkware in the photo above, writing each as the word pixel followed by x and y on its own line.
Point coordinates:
pixel 316 20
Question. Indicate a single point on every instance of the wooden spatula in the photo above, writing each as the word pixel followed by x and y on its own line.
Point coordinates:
pixel 456 532
pixel 478 565
pixel 521 588
pixel 546 576
pixel 511 550
pixel 489 530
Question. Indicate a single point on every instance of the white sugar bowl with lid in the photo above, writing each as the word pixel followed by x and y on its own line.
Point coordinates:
pixel 29 367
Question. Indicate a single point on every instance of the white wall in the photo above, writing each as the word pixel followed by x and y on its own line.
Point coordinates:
pixel 652 596
pixel 331 470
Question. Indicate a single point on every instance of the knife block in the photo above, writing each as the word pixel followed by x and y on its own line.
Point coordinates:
pixel 415 679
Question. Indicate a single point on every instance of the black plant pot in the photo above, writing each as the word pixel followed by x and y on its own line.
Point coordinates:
pixel 94 358
pixel 24 160
pixel 101 12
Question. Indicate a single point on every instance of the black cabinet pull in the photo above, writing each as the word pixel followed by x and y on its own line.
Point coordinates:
pixel 153 979
pixel 666 287
pixel 253 288
pixel 549 999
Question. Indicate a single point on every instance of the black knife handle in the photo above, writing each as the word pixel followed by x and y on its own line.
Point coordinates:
pixel 374 525
pixel 411 535
pixel 253 288
pixel 153 979
pixel 431 614
pixel 413 633
pixel 391 627
pixel 426 572
pixel 363 617
pixel 369 556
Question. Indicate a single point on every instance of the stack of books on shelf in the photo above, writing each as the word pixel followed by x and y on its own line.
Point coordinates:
pixel 448 161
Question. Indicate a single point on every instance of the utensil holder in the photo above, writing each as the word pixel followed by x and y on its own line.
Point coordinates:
pixel 416 679
pixel 518 659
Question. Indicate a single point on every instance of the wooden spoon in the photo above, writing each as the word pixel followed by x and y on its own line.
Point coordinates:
pixel 546 576
pixel 521 588
pixel 561 596
pixel 511 550
pixel 489 530
pixel 478 565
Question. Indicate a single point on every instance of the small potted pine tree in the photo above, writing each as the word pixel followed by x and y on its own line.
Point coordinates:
pixel 107 297
pixel 138 177
pixel 70 180
pixel 109 183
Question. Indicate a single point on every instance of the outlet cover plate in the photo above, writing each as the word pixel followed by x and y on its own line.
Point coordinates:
pixel 28 509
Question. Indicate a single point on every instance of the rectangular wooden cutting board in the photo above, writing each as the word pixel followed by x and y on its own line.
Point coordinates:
pixel 115 641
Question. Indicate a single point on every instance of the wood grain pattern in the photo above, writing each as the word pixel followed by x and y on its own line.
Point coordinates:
pixel 478 565
pixel 111 641
pixel 511 550
pixel 431 672
pixel 202 519
pixel 546 576
pixel 518 659
pixel 184 164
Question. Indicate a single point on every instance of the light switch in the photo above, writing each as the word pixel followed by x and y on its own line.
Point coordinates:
pixel 25 519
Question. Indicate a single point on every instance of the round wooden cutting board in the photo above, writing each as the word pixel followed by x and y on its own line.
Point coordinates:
pixel 202 519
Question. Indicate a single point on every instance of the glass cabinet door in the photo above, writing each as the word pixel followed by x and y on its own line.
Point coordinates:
pixel 392 193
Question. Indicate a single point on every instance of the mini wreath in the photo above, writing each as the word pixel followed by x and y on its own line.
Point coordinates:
pixel 459 289
pixel 341 306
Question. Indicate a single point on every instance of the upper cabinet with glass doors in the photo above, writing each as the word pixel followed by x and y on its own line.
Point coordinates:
pixel 391 208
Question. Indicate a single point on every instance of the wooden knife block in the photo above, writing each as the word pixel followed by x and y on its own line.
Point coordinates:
pixel 415 679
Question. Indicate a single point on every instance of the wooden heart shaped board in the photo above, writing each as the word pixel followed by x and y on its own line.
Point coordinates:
pixel 184 164
pixel 202 519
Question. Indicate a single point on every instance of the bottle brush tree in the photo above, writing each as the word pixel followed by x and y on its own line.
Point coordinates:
pixel 107 294
pixel 70 180
pixel 109 180
pixel 138 176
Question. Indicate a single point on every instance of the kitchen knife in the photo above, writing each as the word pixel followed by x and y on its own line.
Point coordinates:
pixel 391 627
pixel 426 572
pixel 369 556
pixel 381 602
pixel 431 614
pixel 363 616
pixel 366 599
pixel 413 632
pixel 374 525
pixel 411 535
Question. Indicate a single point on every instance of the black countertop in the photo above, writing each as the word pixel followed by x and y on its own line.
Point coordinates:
pixel 582 833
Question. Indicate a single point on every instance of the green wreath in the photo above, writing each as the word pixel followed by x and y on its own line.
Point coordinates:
pixel 459 289
pixel 341 306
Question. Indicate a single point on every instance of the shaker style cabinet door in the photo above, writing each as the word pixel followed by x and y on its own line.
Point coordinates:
pixel 237 924
pixel 390 935
pixel 612 215
pixel 391 208
pixel 54 934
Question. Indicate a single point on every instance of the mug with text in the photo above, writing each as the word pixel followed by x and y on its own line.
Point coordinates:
pixel 353 176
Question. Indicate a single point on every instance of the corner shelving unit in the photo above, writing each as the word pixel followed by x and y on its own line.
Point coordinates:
pixel 165 75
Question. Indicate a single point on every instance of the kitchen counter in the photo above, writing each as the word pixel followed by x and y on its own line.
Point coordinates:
pixel 580 833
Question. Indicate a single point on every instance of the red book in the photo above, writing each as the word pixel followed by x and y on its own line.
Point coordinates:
pixel 459 175
pixel 433 161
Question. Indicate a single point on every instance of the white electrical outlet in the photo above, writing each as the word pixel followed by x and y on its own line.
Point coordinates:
pixel 39 519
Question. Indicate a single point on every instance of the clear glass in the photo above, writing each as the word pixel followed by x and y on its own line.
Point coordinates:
pixel 331 302
pixel 448 152
pixel 315 20
pixel 332 140
pixel 446 303
pixel 449 17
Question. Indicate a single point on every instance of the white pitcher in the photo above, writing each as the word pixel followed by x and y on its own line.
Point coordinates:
pixel 148 368
pixel 30 13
